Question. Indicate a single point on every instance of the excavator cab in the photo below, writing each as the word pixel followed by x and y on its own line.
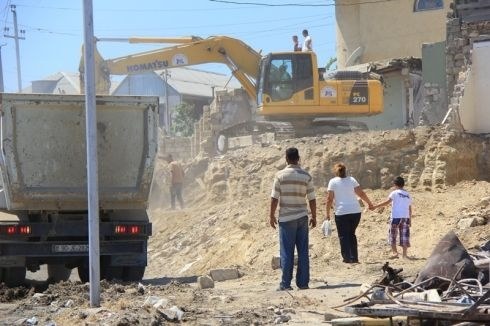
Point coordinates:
pixel 286 78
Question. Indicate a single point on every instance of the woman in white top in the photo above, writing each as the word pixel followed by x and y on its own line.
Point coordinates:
pixel 344 190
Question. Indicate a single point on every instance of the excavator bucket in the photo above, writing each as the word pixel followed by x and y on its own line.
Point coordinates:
pixel 102 74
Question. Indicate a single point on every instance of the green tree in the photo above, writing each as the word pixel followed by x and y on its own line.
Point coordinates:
pixel 330 63
pixel 183 119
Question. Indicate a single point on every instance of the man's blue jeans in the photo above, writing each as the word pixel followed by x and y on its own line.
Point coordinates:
pixel 294 234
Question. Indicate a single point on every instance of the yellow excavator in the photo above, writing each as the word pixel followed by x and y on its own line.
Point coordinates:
pixel 285 86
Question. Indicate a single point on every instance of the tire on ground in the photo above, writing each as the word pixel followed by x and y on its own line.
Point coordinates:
pixel 13 276
pixel 84 273
pixel 58 273
pixel 133 273
pixel 111 273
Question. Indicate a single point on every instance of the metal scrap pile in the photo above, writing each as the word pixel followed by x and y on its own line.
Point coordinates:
pixel 452 288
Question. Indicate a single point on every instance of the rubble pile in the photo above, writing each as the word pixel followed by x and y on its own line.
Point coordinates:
pixel 449 288
pixel 224 227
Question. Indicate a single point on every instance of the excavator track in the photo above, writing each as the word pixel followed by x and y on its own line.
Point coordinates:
pixel 282 130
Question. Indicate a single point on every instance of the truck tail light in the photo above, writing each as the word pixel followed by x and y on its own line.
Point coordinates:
pixel 128 229
pixel 15 229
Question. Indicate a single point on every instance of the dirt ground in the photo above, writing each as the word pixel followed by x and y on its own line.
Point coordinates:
pixel 224 225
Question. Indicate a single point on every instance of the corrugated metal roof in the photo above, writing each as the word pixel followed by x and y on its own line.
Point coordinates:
pixel 191 81
pixel 62 81
pixel 184 80
pixel 143 84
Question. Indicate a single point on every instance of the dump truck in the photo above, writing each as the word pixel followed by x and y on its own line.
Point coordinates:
pixel 43 201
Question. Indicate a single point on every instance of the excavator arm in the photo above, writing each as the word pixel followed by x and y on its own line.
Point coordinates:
pixel 243 61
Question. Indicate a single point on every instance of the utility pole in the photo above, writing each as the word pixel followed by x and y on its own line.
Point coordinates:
pixel 92 168
pixel 2 89
pixel 17 51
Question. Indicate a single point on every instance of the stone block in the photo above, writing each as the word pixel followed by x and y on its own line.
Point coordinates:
pixel 459 56
pixel 485 201
pixel 224 274
pixel 173 314
pixel 466 223
pixel 480 220
pixel 205 282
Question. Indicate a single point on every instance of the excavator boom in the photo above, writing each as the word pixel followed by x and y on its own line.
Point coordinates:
pixel 242 60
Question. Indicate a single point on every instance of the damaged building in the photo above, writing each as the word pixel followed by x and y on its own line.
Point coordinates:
pixel 410 60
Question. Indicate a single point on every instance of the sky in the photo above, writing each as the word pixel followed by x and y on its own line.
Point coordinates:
pixel 54 29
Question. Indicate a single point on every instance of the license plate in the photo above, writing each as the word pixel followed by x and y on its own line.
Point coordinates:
pixel 70 248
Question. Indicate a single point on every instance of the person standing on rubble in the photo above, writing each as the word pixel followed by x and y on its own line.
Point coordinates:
pixel 344 191
pixel 307 42
pixel 290 188
pixel 401 216
pixel 177 179
pixel 296 45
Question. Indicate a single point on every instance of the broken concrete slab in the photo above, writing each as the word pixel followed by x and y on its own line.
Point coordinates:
pixel 466 223
pixel 224 274
pixel 205 282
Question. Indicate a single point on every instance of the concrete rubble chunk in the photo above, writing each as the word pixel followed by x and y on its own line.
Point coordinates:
pixel 466 223
pixel 150 301
pixel 485 201
pixel 162 303
pixel 480 220
pixel 282 319
pixel 224 274
pixel 205 282
pixel 172 314
pixel 141 288
pixel 38 295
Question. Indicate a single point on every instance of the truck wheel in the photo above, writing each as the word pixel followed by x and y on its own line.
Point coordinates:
pixel 14 276
pixel 83 273
pixel 222 144
pixel 58 273
pixel 111 273
pixel 133 273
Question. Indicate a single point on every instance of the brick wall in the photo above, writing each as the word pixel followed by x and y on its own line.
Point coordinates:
pixel 179 147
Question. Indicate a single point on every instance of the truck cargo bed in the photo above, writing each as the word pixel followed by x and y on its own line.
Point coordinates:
pixel 43 159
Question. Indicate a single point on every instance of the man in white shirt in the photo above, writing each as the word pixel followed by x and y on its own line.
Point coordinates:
pixel 307 43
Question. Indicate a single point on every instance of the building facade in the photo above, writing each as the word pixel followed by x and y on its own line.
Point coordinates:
pixel 377 30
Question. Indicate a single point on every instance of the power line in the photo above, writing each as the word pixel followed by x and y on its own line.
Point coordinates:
pixel 299 4
pixel 293 21
pixel 134 10
pixel 223 25
pixel 7 5
pixel 273 5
